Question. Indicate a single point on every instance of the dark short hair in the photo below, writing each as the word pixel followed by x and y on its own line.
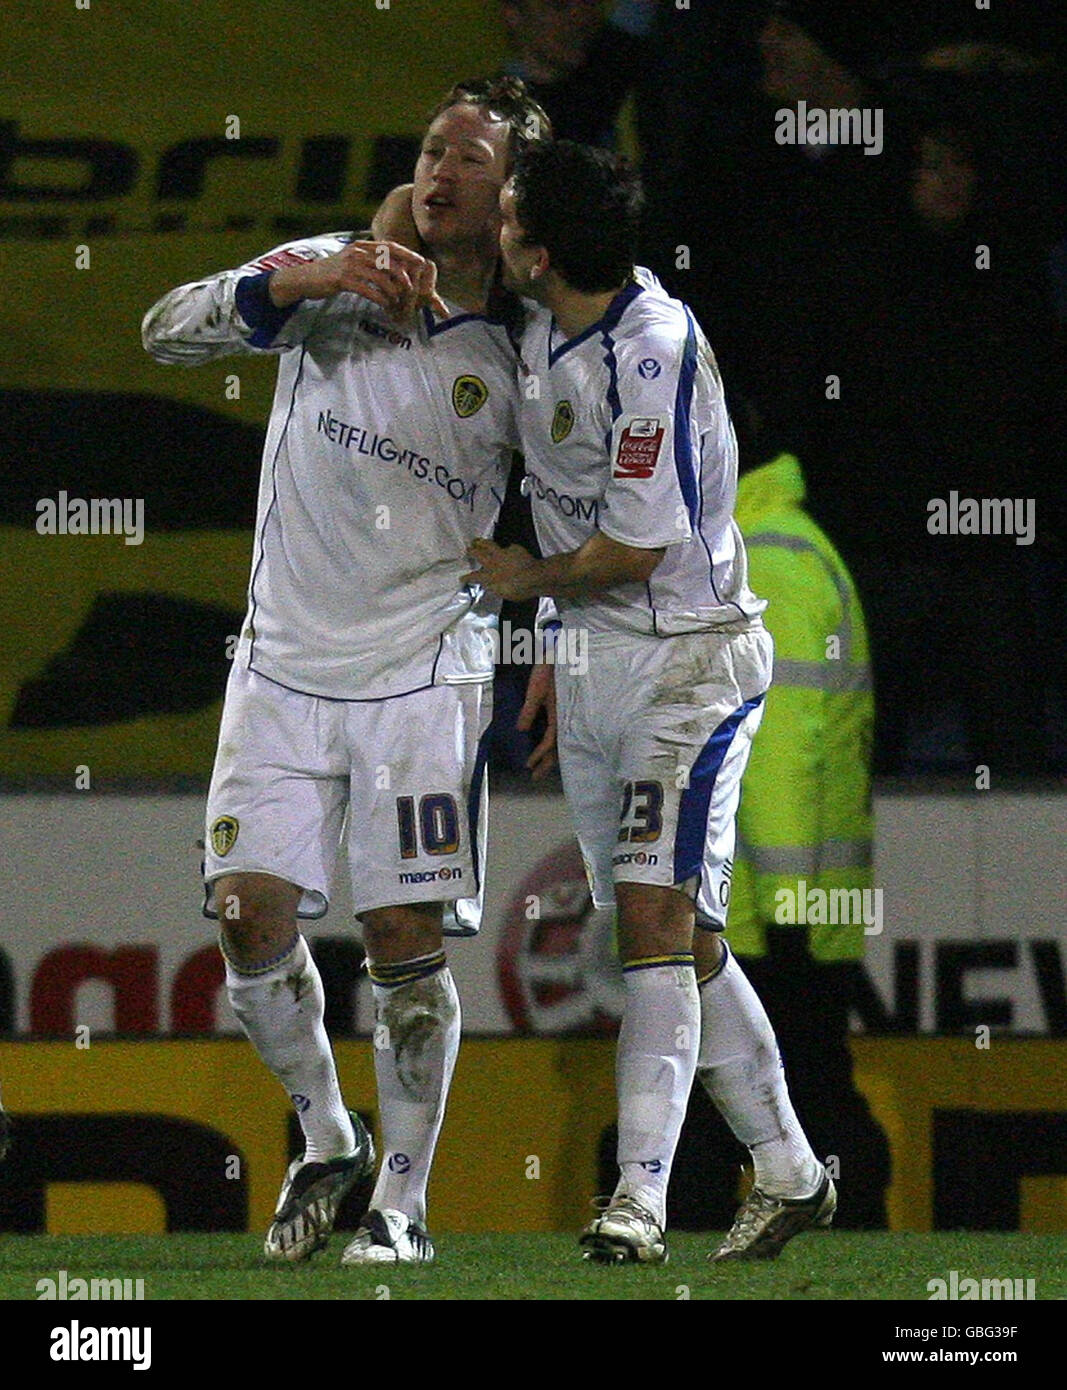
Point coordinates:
pixel 505 99
pixel 583 205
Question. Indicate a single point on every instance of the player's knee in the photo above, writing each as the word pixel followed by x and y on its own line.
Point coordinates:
pixel 653 920
pixel 257 916
pixel 707 951
pixel 403 932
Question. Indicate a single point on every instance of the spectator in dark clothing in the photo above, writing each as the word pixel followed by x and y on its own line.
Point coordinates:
pixel 962 393
pixel 774 244
pixel 834 282
pixel 913 372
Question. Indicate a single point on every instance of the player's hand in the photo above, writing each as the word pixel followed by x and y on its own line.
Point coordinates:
pixel 389 275
pixel 395 221
pixel 510 571
pixel 540 695
pixel 426 291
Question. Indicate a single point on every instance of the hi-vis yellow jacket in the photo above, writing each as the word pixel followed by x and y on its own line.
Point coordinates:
pixel 804 823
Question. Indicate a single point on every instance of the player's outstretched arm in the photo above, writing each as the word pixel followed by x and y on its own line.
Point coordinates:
pixel 229 313
pixel 271 304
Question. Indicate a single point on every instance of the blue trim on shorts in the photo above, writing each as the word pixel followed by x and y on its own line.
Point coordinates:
pixel 474 799
pixel 695 803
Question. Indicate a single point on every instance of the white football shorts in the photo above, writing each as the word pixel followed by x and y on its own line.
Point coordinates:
pixel 401 782
pixel 653 740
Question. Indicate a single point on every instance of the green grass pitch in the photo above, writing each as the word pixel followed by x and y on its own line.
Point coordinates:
pixel 839 1265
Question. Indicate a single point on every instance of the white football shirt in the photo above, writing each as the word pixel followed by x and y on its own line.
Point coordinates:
pixel 625 430
pixel 387 453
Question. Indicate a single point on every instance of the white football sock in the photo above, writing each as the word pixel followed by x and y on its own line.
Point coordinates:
pixel 416 1041
pixel 281 1009
pixel 741 1070
pixel 655 1062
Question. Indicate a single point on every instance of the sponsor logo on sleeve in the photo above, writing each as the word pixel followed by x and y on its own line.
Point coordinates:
pixel 469 394
pixel 638 449
pixel 277 259
pixel 562 422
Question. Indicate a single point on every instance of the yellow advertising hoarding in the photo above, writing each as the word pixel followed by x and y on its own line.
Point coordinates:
pixel 530 1111
pixel 141 146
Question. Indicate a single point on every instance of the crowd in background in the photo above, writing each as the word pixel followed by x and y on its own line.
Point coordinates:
pixel 896 317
